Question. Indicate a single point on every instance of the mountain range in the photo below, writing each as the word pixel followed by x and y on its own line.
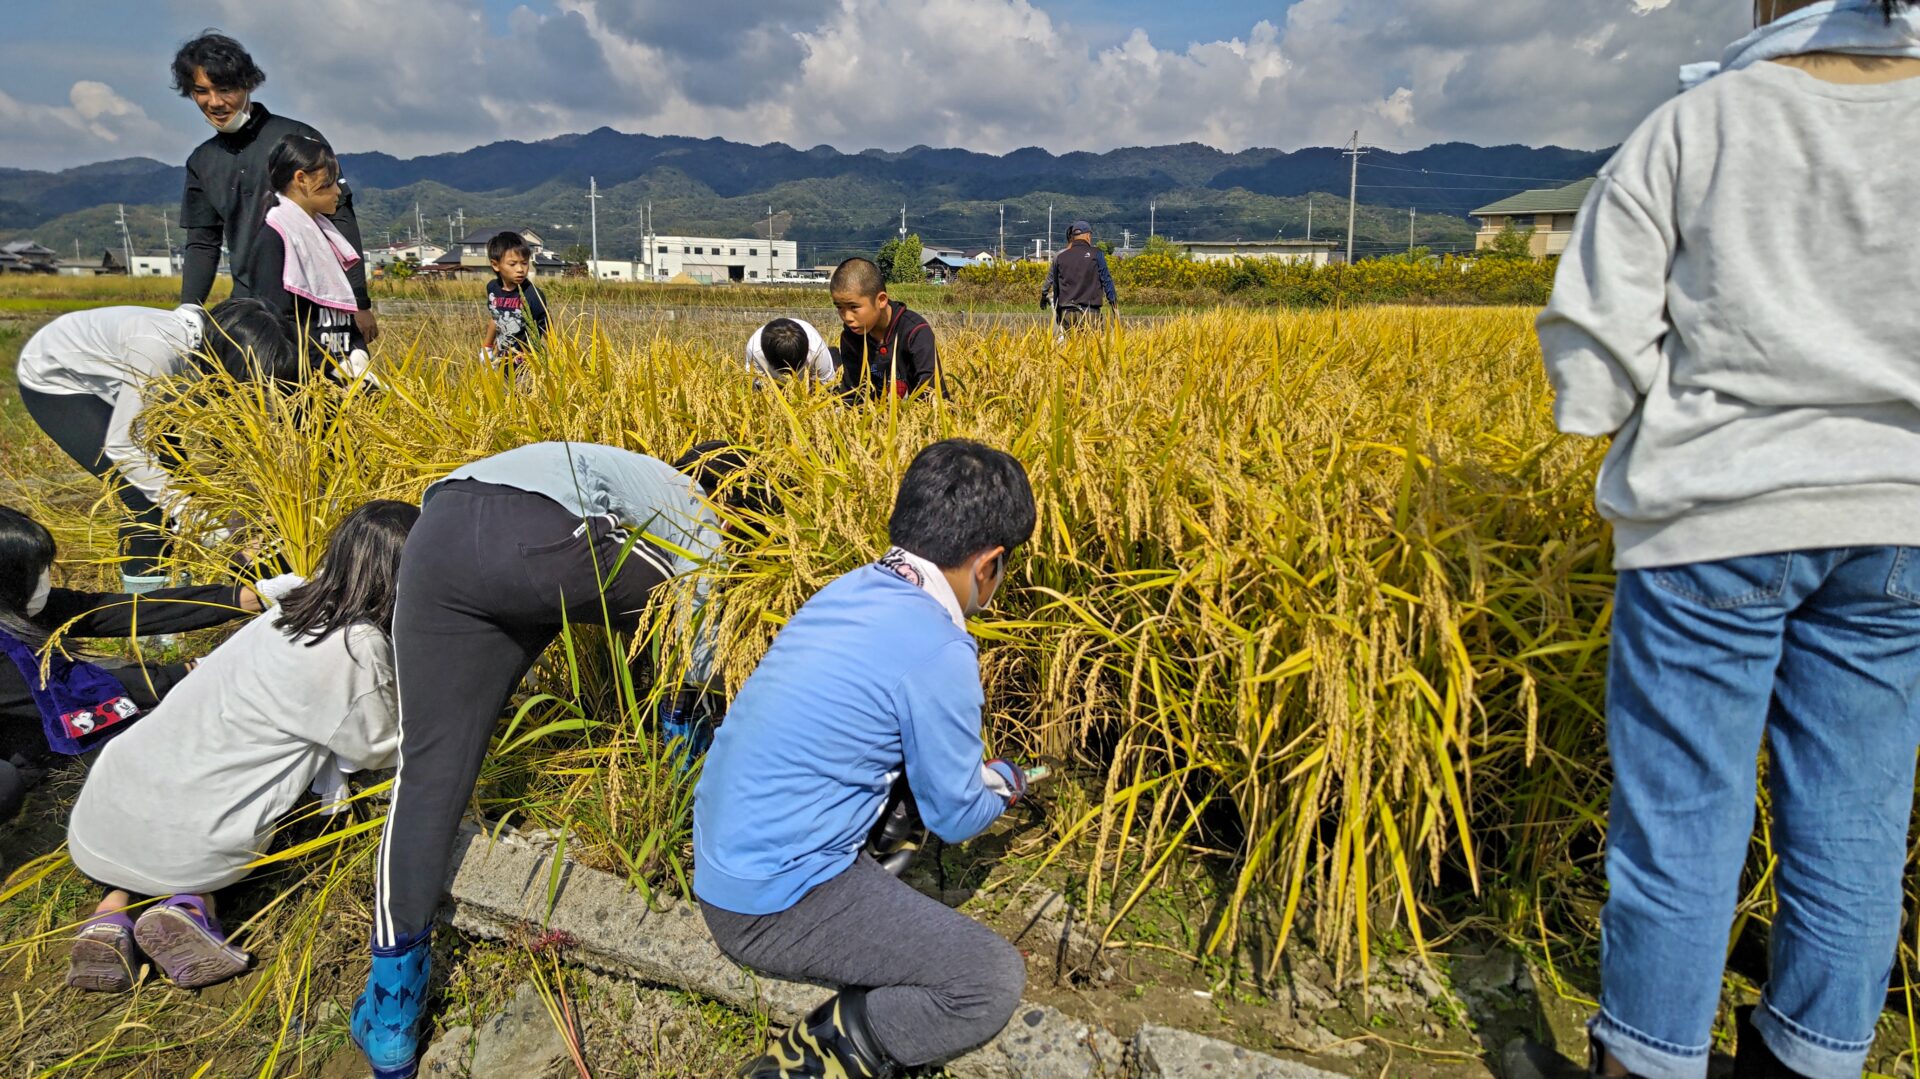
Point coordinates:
pixel 837 203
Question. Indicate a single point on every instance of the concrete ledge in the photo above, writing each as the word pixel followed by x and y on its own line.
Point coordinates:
pixel 1166 1053
pixel 501 887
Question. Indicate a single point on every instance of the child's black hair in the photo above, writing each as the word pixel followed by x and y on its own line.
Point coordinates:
pixel 722 469
pixel 358 576
pixel 856 277
pixel 26 549
pixel 959 498
pixel 784 343
pixel 247 339
pixel 1894 7
pixel 225 60
pixel 299 153
pixel 508 242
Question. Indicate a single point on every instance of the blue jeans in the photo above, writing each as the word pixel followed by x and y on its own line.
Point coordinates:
pixel 1819 651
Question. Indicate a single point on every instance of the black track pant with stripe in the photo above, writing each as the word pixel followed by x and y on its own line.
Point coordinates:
pixel 489 576
pixel 77 423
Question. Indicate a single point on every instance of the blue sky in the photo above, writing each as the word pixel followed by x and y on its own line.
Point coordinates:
pixel 86 80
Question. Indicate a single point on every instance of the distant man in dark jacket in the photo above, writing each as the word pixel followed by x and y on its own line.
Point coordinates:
pixel 1078 281
pixel 227 190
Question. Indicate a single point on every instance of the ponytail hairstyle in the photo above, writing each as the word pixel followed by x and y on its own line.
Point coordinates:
pixel 358 576
pixel 725 474
pixel 26 550
pixel 299 153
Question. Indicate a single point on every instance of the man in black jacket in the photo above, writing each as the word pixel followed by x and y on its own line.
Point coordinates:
pixel 227 192
pixel 1078 280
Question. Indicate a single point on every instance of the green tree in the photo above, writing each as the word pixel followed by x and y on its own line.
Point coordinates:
pixel 401 269
pixel 889 251
pixel 1512 243
pixel 908 263
pixel 576 255
pixel 1160 245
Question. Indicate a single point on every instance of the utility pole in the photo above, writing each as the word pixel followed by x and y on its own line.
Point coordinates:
pixel 1151 207
pixel 1049 227
pixel 593 212
pixel 1309 217
pixel 1001 251
pixel 770 243
pixel 903 224
pixel 1410 215
pixel 1126 239
pixel 126 239
pixel 1353 192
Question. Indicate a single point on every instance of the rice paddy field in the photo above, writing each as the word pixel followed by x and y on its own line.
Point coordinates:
pixel 1313 631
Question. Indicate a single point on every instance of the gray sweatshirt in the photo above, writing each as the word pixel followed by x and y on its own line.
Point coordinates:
pixel 1736 308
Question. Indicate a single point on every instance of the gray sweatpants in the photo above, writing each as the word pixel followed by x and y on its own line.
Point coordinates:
pixel 939 982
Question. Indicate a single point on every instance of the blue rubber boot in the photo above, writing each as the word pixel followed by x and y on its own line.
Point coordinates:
pixel 141 584
pixel 686 718
pixel 386 1018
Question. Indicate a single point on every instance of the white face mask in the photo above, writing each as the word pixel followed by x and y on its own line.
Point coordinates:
pixel 237 121
pixel 974 604
pixel 38 601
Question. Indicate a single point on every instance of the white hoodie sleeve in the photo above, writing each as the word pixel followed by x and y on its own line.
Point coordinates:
pixel 123 447
pixel 1602 330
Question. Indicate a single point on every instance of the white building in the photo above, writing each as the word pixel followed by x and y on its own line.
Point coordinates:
pixel 706 259
pixel 155 264
pixel 420 254
pixel 1316 252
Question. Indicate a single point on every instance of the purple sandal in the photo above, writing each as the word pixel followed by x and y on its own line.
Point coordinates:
pixel 102 959
pixel 187 943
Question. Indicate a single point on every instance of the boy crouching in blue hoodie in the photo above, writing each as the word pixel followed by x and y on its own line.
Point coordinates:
pixel 801 771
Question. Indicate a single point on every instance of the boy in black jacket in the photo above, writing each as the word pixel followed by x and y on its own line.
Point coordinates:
pixel 884 348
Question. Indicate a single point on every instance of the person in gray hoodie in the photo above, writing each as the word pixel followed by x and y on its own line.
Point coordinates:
pixel 1734 310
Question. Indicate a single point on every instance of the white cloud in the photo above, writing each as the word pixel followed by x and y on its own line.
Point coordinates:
pixel 95 124
pixel 422 76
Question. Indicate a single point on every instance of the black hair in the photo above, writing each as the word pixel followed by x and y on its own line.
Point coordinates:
pixel 226 62
pixel 26 550
pixel 958 498
pixel 856 277
pixel 507 242
pixel 249 341
pixel 358 576
pixel 784 343
pixel 724 471
pixel 1894 7
pixel 299 153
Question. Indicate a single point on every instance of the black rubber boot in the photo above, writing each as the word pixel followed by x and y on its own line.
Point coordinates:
pixel 899 832
pixel 834 1040
pixel 1752 1059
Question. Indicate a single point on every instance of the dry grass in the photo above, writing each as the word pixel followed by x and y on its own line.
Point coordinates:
pixel 1318 602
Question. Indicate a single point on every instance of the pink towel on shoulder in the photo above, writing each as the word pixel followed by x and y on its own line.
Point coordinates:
pixel 317 256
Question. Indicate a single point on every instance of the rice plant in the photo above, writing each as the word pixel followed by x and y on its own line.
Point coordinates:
pixel 1317 600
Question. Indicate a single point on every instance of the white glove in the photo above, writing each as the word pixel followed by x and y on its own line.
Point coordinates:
pixel 272 590
pixel 357 364
pixel 995 782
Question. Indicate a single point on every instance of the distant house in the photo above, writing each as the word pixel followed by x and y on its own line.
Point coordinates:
pixel 111 261
pixel 417 253
pixel 943 266
pixel 468 258
pixel 25 256
pixel 1313 252
pixel 155 264
pixel 1548 211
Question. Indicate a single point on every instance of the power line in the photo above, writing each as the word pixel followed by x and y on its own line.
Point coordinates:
pixel 1475 175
